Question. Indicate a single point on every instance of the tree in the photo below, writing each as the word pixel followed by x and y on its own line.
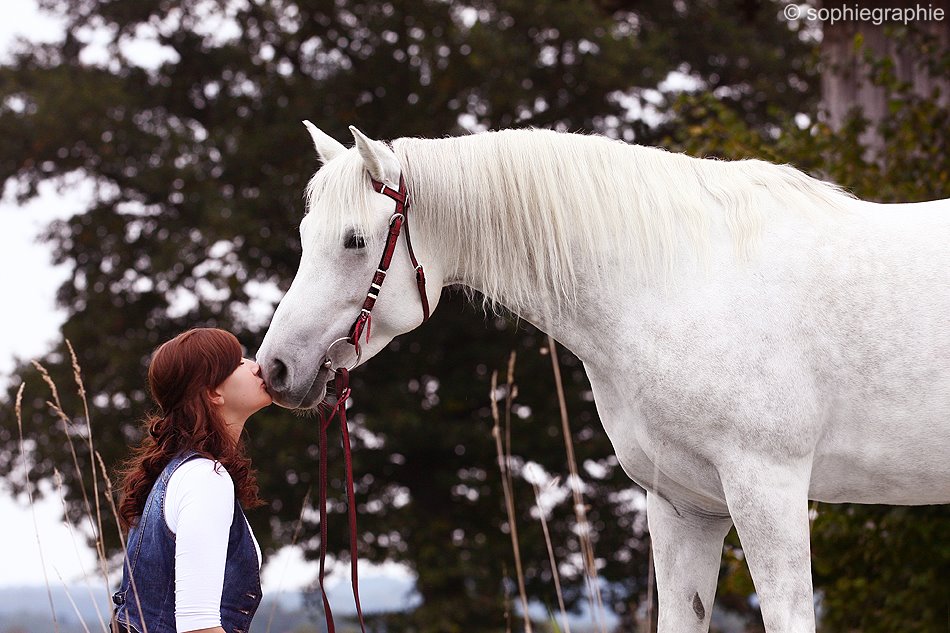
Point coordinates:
pixel 854 54
pixel 200 163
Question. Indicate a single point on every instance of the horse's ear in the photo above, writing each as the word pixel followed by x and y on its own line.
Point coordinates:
pixel 327 147
pixel 380 161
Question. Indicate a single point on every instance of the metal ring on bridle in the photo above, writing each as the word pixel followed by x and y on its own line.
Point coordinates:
pixel 346 339
pixel 393 217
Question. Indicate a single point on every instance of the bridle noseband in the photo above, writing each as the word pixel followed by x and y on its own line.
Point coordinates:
pixel 398 221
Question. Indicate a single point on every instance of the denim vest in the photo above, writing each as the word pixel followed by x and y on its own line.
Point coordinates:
pixel 149 569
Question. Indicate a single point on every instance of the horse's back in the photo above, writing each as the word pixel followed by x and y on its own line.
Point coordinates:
pixel 881 339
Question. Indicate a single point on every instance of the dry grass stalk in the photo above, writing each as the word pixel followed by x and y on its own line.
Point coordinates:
pixel 293 542
pixel 58 480
pixel 69 597
pixel 118 525
pixel 111 498
pixel 504 573
pixel 651 569
pixel 650 591
pixel 511 392
pixel 81 390
pixel 503 465
pixel 580 508
pixel 551 558
pixel 29 492
pixel 57 406
pixel 95 525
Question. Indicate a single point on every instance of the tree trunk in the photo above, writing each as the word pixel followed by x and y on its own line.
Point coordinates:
pixel 845 79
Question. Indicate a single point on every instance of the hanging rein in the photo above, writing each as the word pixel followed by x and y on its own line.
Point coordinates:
pixel 327 412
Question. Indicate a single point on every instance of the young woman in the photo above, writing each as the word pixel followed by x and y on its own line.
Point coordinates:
pixel 192 562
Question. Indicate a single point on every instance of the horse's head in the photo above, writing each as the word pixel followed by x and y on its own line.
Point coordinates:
pixel 343 235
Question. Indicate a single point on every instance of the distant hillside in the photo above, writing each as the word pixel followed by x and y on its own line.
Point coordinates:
pixel 27 610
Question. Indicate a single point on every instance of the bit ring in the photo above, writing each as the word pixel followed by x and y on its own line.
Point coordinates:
pixel 346 339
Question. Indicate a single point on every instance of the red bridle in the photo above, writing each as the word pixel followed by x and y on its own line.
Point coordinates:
pixel 398 221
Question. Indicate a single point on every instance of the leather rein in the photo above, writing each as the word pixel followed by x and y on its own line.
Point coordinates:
pixel 328 412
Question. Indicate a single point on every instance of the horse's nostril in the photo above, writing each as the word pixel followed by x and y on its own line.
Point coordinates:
pixel 278 373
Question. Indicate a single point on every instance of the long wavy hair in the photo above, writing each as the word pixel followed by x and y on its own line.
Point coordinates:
pixel 182 374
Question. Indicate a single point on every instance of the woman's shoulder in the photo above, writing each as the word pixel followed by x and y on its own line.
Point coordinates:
pixel 203 472
pixel 200 488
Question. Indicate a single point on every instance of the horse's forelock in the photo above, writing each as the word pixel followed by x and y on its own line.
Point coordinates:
pixel 340 196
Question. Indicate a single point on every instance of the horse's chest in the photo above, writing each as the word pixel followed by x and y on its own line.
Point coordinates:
pixel 690 402
pixel 667 458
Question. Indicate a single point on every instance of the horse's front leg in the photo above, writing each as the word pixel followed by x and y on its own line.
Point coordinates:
pixel 769 505
pixel 687 550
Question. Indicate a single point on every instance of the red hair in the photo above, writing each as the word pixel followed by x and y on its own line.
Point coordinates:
pixel 182 373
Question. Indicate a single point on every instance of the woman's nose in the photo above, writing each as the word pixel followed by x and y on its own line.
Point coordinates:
pixel 255 368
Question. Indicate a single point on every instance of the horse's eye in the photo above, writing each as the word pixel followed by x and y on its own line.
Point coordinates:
pixel 354 241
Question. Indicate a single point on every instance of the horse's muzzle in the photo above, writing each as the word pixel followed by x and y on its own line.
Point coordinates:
pixel 286 388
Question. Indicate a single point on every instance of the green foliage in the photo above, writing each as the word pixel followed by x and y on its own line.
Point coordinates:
pixel 909 158
pixel 881 568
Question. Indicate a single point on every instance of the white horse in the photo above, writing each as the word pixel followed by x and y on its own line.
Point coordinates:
pixel 754 338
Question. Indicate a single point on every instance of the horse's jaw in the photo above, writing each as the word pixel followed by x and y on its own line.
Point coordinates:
pixel 316 395
pixel 318 390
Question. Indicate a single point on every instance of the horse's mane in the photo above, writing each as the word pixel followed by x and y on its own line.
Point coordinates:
pixel 520 207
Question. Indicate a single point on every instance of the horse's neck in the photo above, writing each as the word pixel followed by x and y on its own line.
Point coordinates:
pixel 587 325
pixel 588 334
pixel 589 328
pixel 580 302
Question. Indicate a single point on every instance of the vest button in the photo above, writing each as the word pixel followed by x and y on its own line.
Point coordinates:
pixel 118 598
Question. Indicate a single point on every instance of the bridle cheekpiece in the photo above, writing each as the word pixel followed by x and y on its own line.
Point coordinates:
pixel 397 222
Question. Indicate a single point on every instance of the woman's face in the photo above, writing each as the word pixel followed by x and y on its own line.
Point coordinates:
pixel 243 392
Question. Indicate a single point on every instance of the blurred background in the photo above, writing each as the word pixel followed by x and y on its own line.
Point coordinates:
pixel 153 165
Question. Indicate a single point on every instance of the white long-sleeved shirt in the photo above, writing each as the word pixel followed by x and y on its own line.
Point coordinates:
pixel 199 509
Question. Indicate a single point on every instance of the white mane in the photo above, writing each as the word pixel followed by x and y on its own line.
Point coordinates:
pixel 515 209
